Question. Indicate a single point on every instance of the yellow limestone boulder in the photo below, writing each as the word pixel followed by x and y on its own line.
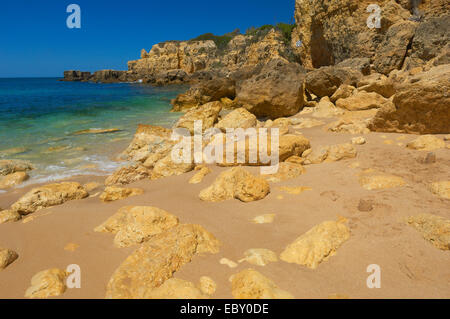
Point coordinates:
pixel 250 284
pixel 236 183
pixel 426 143
pixel 113 193
pixel 48 195
pixel 433 228
pixel 157 259
pixel 317 244
pixel 47 283
pixel 441 189
pixel 135 224
pixel 7 256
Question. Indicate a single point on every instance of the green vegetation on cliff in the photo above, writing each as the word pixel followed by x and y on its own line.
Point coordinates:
pixel 221 41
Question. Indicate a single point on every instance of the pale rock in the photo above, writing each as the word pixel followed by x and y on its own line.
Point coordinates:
pixel 317 245
pixel 358 140
pixel 264 219
pixel 228 262
pixel 259 256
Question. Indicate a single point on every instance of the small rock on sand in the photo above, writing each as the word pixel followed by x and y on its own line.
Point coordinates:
pixel 259 256
pixel 7 256
pixel 264 219
pixel 47 283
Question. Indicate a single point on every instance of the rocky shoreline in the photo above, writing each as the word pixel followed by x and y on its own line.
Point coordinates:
pixel 363 117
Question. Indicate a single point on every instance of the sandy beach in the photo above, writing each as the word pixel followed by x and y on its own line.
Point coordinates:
pixel 410 266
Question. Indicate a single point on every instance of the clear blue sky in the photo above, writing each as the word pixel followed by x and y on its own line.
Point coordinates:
pixel 35 41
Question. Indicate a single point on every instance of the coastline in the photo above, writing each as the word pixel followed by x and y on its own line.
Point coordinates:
pixel 380 236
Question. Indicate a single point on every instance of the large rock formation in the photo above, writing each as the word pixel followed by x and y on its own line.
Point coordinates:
pixel 421 105
pixel 196 60
pixel 335 30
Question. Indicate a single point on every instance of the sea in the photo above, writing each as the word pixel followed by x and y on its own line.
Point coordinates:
pixel 40 118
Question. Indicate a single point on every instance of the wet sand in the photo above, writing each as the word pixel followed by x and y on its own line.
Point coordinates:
pixel 410 266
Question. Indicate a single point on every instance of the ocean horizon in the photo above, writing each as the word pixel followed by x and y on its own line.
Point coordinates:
pixel 40 116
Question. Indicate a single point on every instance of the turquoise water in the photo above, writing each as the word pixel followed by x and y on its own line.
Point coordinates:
pixel 40 115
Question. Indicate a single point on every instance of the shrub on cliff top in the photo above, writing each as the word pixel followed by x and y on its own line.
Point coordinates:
pixel 221 41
